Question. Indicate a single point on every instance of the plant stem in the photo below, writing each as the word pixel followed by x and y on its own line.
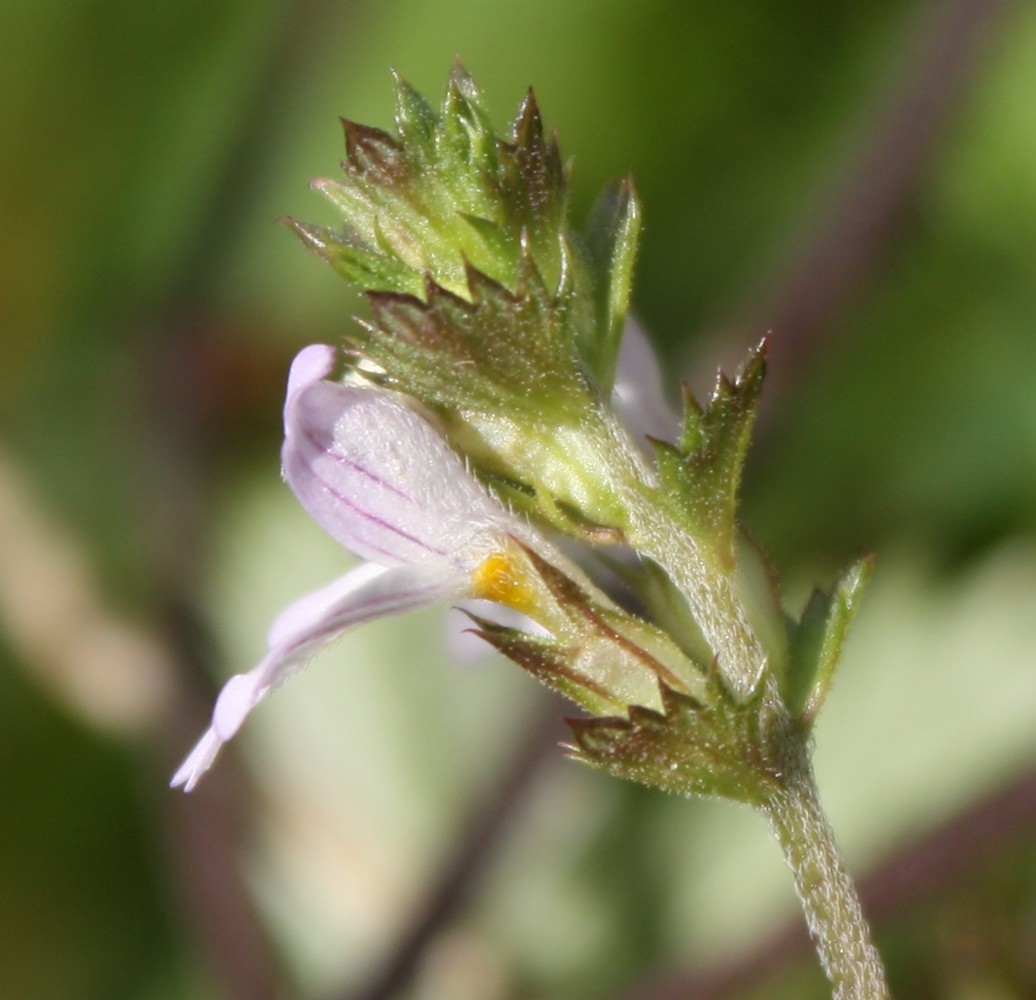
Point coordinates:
pixel 709 592
pixel 827 893
pixel 788 797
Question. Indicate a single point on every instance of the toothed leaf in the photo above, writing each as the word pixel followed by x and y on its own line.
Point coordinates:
pixel 623 655
pixel 492 350
pixel 444 195
pixel 713 748
pixel 703 470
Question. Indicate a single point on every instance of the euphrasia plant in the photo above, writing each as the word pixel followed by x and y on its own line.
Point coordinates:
pixel 490 407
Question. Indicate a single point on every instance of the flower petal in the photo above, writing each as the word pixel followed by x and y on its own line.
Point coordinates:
pixel 639 395
pixel 198 761
pixel 297 617
pixel 306 627
pixel 375 474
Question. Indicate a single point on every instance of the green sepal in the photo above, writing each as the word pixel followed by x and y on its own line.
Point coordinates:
pixel 663 603
pixel 626 656
pixel 717 746
pixel 702 471
pixel 552 663
pixel 816 642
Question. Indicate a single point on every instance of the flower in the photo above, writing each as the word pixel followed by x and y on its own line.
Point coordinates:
pixel 383 483
pixel 638 394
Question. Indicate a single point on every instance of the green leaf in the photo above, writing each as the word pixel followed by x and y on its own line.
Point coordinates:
pixel 702 472
pixel 612 234
pixel 717 747
pixel 444 195
pixel 494 350
pixel 602 657
pixel 352 258
pixel 817 640
pixel 626 655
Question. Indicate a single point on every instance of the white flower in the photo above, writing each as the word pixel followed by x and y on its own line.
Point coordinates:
pixel 380 480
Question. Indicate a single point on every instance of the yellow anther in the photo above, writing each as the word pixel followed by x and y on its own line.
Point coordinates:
pixel 503 578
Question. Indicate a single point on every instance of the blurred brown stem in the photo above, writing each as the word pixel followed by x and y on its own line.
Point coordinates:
pixel 858 220
pixel 858 224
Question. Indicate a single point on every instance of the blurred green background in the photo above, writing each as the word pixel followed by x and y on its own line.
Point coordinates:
pixel 859 179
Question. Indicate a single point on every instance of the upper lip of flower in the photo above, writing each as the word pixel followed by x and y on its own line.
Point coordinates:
pixel 380 480
pixel 374 474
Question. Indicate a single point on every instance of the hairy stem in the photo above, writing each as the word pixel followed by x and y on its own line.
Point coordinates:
pixel 710 595
pixel 826 891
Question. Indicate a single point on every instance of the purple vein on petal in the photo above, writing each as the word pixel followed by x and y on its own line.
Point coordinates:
pixel 351 463
pixel 349 535
pixel 354 506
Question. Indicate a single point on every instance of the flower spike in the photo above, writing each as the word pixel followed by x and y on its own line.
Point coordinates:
pixel 490 405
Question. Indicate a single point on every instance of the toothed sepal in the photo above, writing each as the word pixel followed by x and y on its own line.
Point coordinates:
pixel 598 655
pixel 553 663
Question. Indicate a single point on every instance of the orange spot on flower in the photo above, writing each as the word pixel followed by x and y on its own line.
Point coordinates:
pixel 503 578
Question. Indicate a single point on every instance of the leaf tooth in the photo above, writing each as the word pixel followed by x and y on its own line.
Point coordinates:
pixel 373 153
pixel 722 389
pixel 527 127
pixel 465 131
pixel 463 84
pixel 691 432
pixel 415 119
pixel 754 368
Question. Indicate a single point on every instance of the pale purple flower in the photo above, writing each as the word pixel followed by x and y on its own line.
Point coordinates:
pixel 638 395
pixel 382 481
